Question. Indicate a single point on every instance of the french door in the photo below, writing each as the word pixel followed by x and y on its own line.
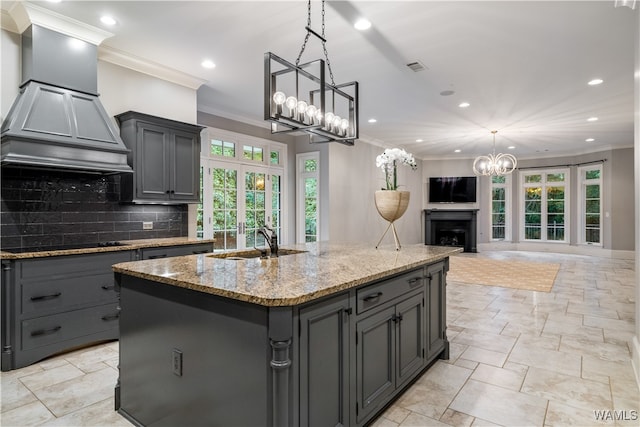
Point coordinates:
pixel 238 200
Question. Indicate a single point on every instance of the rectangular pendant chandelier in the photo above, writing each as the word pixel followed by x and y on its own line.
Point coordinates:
pixel 298 98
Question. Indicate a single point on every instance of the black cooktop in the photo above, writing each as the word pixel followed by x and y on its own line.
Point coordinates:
pixel 64 247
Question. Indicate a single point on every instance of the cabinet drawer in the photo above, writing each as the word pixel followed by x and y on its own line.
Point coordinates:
pixel 47 330
pixel 169 251
pixel 47 297
pixel 70 265
pixel 382 292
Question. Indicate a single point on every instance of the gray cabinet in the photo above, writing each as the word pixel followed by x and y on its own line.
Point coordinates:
pixel 437 342
pixel 389 350
pixel 165 157
pixel 169 251
pixel 324 363
pixel 53 304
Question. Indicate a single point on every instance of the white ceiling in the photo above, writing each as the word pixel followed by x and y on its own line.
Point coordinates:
pixel 523 66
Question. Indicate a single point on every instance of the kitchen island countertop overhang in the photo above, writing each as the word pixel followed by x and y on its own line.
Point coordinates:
pixel 318 270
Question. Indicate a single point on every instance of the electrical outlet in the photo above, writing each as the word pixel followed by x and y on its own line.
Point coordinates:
pixel 147 225
pixel 177 362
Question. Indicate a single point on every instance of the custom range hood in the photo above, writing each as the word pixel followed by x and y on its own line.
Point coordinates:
pixel 57 120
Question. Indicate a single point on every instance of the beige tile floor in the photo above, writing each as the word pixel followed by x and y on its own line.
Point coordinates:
pixel 518 358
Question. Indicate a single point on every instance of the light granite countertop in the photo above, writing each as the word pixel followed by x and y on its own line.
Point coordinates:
pixel 126 245
pixel 323 269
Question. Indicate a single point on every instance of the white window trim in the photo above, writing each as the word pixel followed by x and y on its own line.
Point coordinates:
pixel 240 140
pixel 270 169
pixel 301 175
pixel 545 184
pixel 507 209
pixel 582 235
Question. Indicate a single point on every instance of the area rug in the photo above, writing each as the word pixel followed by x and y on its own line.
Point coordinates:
pixel 532 276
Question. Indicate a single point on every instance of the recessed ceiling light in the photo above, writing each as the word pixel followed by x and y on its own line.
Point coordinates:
pixel 207 63
pixel 107 20
pixel 589 140
pixel 595 82
pixel 511 147
pixel 457 150
pixel 372 120
pixel 463 105
pixel 362 24
pixel 592 119
pixel 419 140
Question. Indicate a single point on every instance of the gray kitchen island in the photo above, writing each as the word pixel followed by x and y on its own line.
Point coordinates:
pixel 323 335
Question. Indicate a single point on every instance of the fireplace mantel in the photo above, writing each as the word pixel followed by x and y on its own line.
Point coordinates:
pixel 451 227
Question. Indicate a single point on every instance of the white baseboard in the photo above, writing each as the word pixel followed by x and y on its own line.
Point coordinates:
pixel 556 248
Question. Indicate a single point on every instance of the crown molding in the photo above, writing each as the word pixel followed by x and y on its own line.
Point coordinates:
pixel 25 14
pixel 126 60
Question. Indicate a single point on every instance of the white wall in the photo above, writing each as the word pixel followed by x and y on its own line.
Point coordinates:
pixel 636 339
pixel 122 89
pixel 11 71
pixel 353 180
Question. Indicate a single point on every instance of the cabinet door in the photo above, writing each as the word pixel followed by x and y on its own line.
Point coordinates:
pixel 185 166
pixel 151 169
pixel 437 322
pixel 375 360
pixel 324 361
pixel 410 337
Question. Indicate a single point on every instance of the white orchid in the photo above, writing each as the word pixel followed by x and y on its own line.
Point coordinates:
pixel 388 162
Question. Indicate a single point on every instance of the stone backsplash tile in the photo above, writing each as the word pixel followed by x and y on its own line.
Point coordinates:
pixel 50 208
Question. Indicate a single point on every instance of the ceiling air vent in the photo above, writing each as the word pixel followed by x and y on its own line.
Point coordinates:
pixel 416 66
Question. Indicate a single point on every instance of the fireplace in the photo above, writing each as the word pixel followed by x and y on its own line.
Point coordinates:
pixel 451 228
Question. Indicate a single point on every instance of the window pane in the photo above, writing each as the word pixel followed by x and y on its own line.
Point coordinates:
pixel 259 200
pixel 275 158
pixel 310 187
pixel 533 178
pixel 249 181
pixel 216 147
pixel 499 179
pixel 555 177
pixel 593 174
pixel 229 149
pixel 257 154
pixel 310 165
pixel 498 193
pixel 247 151
pixel 498 207
pixel 592 191
pixel 532 193
pixel 555 193
pixel 260 177
pixel 592 206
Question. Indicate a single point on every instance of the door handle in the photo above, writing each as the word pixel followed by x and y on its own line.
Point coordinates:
pixel 414 280
pixel 111 317
pixel 108 288
pixel 157 256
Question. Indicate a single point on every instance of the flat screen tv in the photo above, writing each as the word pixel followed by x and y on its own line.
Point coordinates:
pixel 452 189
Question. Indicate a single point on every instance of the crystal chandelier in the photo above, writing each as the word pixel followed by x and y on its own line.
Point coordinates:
pixel 298 98
pixel 500 164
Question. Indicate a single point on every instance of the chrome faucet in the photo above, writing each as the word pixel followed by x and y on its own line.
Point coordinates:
pixel 272 240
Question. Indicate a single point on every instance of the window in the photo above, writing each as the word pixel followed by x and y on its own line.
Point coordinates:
pixel 545 197
pixel 590 204
pixel 241 190
pixel 252 153
pixel 223 148
pixel 500 211
pixel 308 197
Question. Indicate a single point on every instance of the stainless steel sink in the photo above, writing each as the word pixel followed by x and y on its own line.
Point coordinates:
pixel 251 254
